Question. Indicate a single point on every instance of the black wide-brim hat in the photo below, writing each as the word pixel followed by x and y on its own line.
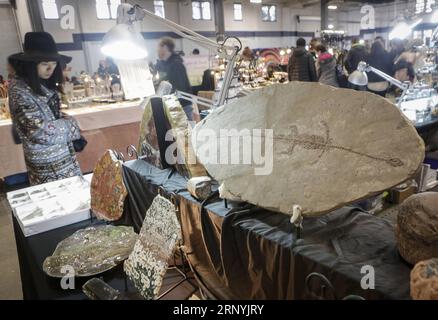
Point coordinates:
pixel 40 46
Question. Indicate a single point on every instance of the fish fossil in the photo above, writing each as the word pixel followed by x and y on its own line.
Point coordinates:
pixel 324 144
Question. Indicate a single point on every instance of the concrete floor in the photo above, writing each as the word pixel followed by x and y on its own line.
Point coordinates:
pixel 10 283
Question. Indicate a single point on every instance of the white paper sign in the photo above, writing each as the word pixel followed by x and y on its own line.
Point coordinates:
pixel 195 66
pixel 136 78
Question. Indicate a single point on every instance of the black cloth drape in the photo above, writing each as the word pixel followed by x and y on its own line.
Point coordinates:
pixel 248 252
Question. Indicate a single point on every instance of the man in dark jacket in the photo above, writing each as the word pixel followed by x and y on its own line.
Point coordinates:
pixel 356 54
pixel 170 68
pixel 301 66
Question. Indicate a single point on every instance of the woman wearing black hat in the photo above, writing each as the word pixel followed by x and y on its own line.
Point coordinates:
pixel 46 134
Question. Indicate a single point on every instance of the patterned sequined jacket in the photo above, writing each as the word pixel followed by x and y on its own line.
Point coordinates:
pixel 47 138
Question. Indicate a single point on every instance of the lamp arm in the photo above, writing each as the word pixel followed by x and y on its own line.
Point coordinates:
pixel 194 99
pixel 387 77
pixel 231 52
pixel 182 31
pixel 228 78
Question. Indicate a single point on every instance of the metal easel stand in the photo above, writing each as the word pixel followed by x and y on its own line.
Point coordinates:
pixel 326 287
pixel 183 271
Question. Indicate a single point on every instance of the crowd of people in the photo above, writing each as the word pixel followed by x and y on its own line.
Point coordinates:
pixel 318 65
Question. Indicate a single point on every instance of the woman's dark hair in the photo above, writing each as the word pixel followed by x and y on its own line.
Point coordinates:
pixel 321 48
pixel 377 49
pixel 28 71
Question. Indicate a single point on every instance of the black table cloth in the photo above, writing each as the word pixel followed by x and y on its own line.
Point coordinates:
pixel 241 251
pixel 250 253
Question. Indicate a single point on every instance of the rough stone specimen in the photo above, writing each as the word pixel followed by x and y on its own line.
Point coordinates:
pixel 330 147
pixel 148 145
pixel 91 251
pixel 199 187
pixel 417 227
pixel 108 191
pixel 187 165
pixel 424 280
pixel 148 262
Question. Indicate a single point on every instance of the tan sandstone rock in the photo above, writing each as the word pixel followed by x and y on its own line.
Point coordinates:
pixel 417 227
pixel 424 280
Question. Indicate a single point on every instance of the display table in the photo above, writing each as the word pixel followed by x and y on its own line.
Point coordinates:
pixel 251 253
pixel 113 126
pixel 243 252
pixel 11 154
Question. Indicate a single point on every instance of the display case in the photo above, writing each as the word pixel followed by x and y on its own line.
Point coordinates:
pixel 51 205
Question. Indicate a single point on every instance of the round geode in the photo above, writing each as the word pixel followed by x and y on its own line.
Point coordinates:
pixel 424 280
pixel 417 227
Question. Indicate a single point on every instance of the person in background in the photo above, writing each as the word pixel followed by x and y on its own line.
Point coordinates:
pixel 379 59
pixel 381 40
pixel 406 63
pixel 170 68
pixel 101 71
pixel 301 66
pixel 326 67
pixel 312 48
pixel 75 80
pixel 356 54
pixel 247 54
pixel 397 48
pixel 247 59
pixel 34 102
pixel 112 70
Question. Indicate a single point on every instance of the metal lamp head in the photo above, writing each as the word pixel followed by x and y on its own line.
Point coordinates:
pixel 359 76
pixel 123 42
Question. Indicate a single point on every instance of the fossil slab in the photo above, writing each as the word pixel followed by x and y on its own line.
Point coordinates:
pixel 330 147
pixel 91 251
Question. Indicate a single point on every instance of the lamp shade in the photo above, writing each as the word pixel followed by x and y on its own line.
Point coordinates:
pixel 358 78
pixel 124 43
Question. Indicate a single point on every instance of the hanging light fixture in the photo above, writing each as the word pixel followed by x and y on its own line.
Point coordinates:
pixel 402 30
pixel 123 42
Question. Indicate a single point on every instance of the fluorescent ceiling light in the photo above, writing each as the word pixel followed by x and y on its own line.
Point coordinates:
pixel 330 26
pixel 402 30
pixel 332 7
pixel 333 31
pixel 255 1
pixel 434 18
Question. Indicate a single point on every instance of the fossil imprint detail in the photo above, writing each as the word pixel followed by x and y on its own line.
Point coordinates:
pixel 325 144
